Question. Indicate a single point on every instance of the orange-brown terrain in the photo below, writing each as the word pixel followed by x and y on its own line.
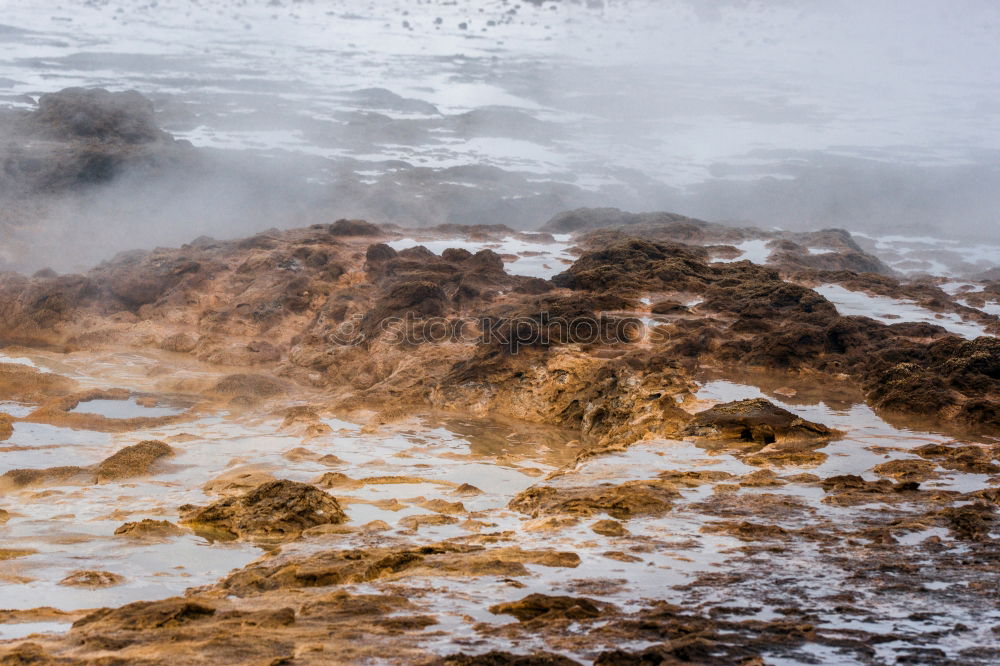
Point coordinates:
pixel 332 444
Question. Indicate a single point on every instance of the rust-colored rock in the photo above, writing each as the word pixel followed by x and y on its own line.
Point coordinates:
pixel 277 510
pixel 611 528
pixel 147 528
pixel 624 501
pixel 754 420
pixel 498 658
pixel 340 567
pixel 92 579
pixel 543 607
pixel 135 460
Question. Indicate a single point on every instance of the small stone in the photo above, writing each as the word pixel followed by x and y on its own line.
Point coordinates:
pixel 611 528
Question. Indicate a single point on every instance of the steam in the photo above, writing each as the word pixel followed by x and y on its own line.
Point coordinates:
pixel 72 231
pixel 878 116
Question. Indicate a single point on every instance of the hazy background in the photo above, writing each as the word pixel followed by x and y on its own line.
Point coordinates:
pixel 880 116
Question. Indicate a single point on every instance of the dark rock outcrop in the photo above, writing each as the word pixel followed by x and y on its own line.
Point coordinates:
pixel 80 136
pixel 754 420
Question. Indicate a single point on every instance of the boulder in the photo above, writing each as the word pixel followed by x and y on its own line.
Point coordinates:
pixel 278 510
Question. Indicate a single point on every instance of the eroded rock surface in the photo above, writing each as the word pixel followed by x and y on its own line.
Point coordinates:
pixel 756 420
pixel 324 347
pixel 132 461
pixel 275 510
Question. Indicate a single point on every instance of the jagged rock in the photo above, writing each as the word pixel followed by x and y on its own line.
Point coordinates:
pixel 966 458
pixel 274 510
pixel 851 489
pixel 906 470
pixel 746 530
pixel 971 522
pixel 754 420
pixel 409 299
pixel 417 521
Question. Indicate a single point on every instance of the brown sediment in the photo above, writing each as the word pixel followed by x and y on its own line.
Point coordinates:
pixel 92 579
pixel 302 453
pixel 148 528
pixel 544 608
pixel 417 521
pixel 41 614
pixel 136 460
pixel 848 489
pixel 967 458
pixel 276 510
pixel 466 490
pixel 906 470
pixel 26 384
pixel 237 481
pixel 610 528
pixel 21 478
pixel 499 658
pixel 441 506
pixel 624 501
pixel 340 567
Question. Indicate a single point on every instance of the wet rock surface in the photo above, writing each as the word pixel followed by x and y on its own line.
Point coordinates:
pixel 507 491
pixel 147 528
pixel 543 608
pixel 633 498
pixel 755 420
pixel 274 510
pixel 132 461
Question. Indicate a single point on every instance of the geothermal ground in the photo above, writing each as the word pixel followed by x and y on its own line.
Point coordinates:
pixel 265 450
pixel 315 349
